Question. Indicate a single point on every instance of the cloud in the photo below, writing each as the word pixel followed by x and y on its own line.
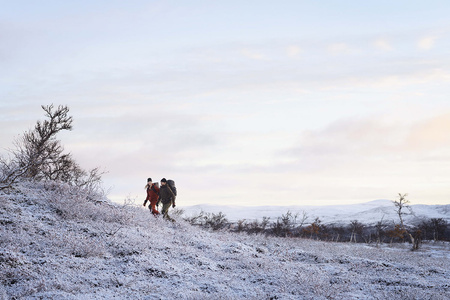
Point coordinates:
pixel 430 134
pixel 341 48
pixel 293 51
pixel 352 140
pixel 365 157
pixel 383 44
pixel 253 54
pixel 427 43
pixel 414 75
pixel 345 140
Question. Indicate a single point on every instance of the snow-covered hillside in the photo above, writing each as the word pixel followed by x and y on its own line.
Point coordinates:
pixel 366 213
pixel 57 243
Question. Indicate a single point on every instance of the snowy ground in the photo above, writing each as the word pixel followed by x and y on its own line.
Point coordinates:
pixel 55 244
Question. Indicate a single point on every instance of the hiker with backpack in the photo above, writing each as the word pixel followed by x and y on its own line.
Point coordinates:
pixel 167 195
pixel 152 196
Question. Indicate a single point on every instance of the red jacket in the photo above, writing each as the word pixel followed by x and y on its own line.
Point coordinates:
pixel 152 193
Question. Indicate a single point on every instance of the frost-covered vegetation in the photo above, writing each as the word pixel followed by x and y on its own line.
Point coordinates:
pixel 58 242
pixel 295 225
pixel 39 155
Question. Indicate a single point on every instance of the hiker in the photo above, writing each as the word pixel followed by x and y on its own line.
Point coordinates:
pixel 152 196
pixel 167 197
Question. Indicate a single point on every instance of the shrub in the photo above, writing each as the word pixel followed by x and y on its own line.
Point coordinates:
pixel 209 220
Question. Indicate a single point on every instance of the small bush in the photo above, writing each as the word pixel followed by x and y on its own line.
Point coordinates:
pixel 209 220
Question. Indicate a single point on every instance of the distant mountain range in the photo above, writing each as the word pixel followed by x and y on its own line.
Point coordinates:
pixel 366 213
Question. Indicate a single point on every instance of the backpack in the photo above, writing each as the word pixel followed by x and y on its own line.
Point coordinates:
pixel 172 186
pixel 154 189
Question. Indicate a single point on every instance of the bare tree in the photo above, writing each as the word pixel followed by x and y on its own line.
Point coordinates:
pixel 285 224
pixel 264 223
pixel 434 228
pixel 241 225
pixel 41 151
pixel 38 155
pixel 379 227
pixel 401 204
pixel 314 229
pixel 356 228
pixel 438 226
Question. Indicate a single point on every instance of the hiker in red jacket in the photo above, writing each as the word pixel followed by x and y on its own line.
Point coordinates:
pixel 152 196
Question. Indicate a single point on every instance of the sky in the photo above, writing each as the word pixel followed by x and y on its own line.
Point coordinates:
pixel 240 102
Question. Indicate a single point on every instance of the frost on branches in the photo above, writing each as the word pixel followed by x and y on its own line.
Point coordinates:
pixel 39 156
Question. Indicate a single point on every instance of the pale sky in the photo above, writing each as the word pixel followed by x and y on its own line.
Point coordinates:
pixel 240 102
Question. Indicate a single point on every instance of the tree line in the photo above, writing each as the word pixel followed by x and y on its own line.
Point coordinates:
pixel 294 225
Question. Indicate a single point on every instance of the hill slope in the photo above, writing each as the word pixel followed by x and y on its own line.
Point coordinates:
pixel 57 242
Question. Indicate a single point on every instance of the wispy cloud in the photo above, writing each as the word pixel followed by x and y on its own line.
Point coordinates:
pixel 427 43
pixel 383 44
pixel 252 54
pixel 354 139
pixel 293 51
pixel 430 134
pixel 341 48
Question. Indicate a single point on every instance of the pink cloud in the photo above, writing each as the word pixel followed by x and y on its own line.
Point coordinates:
pixel 354 139
pixel 431 133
